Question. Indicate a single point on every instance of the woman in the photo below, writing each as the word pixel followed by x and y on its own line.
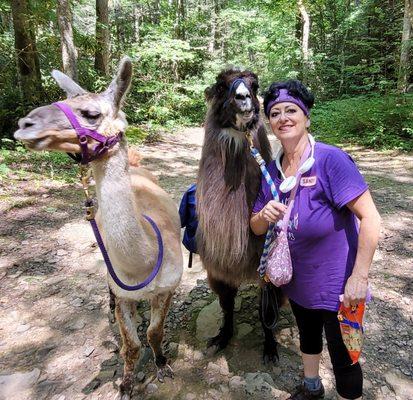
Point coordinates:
pixel 330 254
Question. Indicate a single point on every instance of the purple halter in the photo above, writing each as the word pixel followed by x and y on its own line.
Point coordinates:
pixel 105 142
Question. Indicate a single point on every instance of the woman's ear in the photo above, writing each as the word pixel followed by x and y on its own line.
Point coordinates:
pixel 308 123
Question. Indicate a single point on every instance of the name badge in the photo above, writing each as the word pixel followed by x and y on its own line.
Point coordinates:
pixel 308 181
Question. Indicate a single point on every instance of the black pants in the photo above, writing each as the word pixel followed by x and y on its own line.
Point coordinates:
pixel 349 378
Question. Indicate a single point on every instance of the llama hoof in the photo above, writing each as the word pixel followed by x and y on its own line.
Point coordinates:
pixel 165 372
pixel 112 318
pixel 217 343
pixel 270 354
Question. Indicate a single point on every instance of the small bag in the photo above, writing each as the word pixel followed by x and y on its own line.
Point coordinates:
pixel 275 262
pixel 279 265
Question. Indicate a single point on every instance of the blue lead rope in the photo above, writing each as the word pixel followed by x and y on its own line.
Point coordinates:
pixel 269 236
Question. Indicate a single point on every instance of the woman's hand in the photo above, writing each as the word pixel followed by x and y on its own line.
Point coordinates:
pixel 355 290
pixel 273 211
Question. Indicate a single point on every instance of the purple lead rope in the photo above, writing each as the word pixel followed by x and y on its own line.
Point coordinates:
pixel 109 266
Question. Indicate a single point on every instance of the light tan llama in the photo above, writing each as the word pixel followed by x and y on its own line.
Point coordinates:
pixel 125 193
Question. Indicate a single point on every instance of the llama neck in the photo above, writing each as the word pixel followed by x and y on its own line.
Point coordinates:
pixel 121 217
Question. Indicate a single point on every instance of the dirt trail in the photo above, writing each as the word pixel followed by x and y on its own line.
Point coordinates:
pixel 56 341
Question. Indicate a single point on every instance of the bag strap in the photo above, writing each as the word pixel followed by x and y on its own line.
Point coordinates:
pixel 284 224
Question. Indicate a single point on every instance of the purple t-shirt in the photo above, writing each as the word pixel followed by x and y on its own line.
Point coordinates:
pixel 322 233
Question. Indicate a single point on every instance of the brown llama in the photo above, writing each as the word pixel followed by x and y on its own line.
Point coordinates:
pixel 126 194
pixel 228 182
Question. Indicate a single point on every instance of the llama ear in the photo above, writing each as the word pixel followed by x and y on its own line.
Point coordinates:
pixel 71 88
pixel 120 83
pixel 216 90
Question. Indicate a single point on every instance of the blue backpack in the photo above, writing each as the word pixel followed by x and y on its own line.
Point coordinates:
pixel 187 213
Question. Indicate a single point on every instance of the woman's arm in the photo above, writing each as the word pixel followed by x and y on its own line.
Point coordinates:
pixel 272 212
pixel 365 210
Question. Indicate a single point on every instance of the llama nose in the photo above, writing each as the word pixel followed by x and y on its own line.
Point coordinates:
pixel 25 123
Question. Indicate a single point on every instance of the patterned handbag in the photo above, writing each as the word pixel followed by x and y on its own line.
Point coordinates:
pixel 275 264
pixel 279 266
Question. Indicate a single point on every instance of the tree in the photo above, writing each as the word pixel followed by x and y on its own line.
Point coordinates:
pixel 69 52
pixel 405 47
pixel 102 37
pixel 180 19
pixel 305 17
pixel 26 54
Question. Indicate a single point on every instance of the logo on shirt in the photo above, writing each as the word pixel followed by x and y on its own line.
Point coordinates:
pixel 308 181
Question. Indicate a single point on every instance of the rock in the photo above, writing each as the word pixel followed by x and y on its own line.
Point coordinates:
pixel 197 355
pixel 77 302
pixel 58 397
pixel 54 280
pixel 213 394
pixel 110 362
pixel 146 356
pixel 45 350
pixel 238 303
pixel 173 349
pixel 140 377
pixel 259 385
pixel 237 384
pixel 151 388
pixel 401 385
pixel 197 304
pixel 80 324
pixel 219 367
pixel 18 382
pixel 22 328
pixel 209 321
pixel 88 351
pixel 243 330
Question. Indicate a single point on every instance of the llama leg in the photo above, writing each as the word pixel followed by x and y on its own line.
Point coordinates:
pixel 226 296
pixel 270 353
pixel 112 306
pixel 125 312
pixel 159 310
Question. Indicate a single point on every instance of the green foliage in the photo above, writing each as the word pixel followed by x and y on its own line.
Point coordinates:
pixel 354 50
pixel 36 165
pixel 382 122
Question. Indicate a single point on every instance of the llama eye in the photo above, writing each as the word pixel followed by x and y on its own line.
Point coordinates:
pixel 239 97
pixel 90 114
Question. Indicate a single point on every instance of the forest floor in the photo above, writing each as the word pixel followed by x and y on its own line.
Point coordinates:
pixel 56 341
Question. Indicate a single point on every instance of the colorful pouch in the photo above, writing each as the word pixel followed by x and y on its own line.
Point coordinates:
pixel 351 326
pixel 279 265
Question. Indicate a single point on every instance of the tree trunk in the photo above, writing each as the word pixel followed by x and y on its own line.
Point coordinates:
pixel 213 37
pixel 305 38
pixel 26 54
pixel 180 19
pixel 69 52
pixel 405 48
pixel 306 31
pixel 102 37
pixel 137 15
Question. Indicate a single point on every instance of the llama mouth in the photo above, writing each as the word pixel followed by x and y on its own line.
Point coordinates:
pixel 247 115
